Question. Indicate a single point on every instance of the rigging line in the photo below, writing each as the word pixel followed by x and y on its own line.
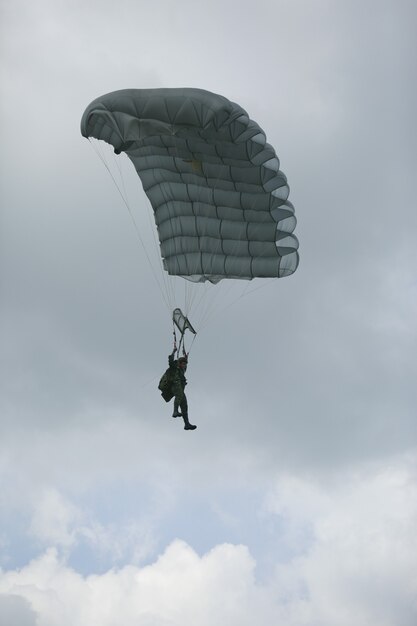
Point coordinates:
pixel 210 306
pixel 133 220
pixel 165 279
pixel 117 163
pixel 203 288
pixel 191 345
pixel 213 307
pixel 239 297
pixel 186 298
pixel 270 280
pixel 151 224
pixel 156 247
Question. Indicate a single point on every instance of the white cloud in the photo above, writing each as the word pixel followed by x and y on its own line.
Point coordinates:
pixel 55 519
pixel 179 588
pixel 58 522
pixel 360 566
pixel 357 565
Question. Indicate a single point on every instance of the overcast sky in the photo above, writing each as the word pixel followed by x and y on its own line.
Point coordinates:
pixel 295 501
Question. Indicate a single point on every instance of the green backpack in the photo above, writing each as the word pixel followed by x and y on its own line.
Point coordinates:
pixel 165 385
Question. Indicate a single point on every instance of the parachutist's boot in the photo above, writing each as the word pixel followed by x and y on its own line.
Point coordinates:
pixel 187 425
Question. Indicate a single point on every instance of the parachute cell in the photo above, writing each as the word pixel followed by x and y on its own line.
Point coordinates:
pixel 219 198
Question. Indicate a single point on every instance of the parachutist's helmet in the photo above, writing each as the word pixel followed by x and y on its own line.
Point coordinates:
pixel 183 361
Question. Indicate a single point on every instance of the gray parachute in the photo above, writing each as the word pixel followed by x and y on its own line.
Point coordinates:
pixel 219 198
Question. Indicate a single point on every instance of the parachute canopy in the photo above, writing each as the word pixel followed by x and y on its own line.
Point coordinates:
pixel 219 198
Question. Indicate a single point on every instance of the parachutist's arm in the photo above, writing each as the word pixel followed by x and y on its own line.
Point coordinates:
pixel 171 358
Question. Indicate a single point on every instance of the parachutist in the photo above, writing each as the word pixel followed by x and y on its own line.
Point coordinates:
pixel 172 385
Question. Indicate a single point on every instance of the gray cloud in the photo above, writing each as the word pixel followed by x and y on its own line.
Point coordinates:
pixel 16 610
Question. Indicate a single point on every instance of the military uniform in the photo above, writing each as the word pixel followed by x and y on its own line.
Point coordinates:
pixel 178 382
pixel 177 386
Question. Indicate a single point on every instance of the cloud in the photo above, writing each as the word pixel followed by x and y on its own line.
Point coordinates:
pixel 75 532
pixel 359 564
pixel 55 519
pixel 180 587
pixel 16 611
pixel 350 559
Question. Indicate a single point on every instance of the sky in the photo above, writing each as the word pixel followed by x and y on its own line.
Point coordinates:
pixel 295 501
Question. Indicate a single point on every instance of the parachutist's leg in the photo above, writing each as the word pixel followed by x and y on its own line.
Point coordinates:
pixel 176 413
pixel 184 409
pixel 184 406
pixel 178 395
